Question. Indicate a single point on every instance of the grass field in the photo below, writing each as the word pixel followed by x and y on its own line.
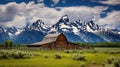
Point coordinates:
pixel 93 58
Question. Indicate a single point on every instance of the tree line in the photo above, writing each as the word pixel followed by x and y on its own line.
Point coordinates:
pixel 106 44
pixel 9 43
pixel 101 44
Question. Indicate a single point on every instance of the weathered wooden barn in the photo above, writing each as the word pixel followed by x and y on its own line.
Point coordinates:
pixel 55 41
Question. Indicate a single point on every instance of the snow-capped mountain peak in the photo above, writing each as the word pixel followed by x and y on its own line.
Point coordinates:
pixel 11 30
pixel 75 31
pixel 92 27
pixel 64 19
pixel 38 26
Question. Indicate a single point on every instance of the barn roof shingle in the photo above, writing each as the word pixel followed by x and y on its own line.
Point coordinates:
pixel 48 39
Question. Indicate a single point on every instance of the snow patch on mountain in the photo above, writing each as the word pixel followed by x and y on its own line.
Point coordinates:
pixel 62 25
pixel 75 30
pixel 53 29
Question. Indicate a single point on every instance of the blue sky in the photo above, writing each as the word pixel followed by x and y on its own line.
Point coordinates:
pixel 17 12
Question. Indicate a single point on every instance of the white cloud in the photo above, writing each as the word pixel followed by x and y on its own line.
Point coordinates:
pixel 51 15
pixel 13 14
pixel 111 2
pixel 19 21
pixel 83 13
pixel 40 1
pixel 7 12
pixel 112 20
pixel 55 1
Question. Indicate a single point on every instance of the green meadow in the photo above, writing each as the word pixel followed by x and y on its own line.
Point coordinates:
pixel 97 57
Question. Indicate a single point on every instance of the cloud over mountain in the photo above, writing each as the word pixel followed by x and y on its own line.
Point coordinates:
pixel 112 20
pixel 111 2
pixel 21 12
pixel 7 12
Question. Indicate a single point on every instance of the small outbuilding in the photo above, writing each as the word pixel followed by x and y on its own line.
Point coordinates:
pixel 55 41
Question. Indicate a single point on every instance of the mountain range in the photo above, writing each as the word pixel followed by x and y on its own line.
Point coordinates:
pixel 75 31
